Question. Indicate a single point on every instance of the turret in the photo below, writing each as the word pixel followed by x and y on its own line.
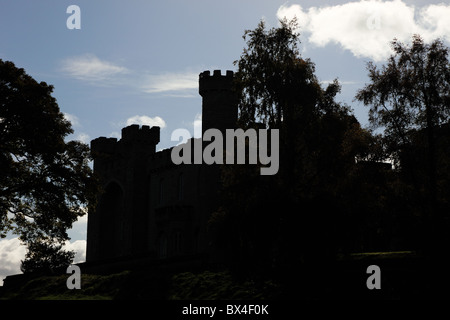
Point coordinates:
pixel 219 106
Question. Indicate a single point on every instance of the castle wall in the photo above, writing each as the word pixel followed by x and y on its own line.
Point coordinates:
pixel 151 206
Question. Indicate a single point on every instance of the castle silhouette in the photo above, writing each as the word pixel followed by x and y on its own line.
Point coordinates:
pixel 150 206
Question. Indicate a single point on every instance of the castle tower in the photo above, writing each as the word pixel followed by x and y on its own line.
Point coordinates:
pixel 118 225
pixel 219 106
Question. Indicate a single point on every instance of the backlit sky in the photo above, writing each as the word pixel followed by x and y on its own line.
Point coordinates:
pixel 138 61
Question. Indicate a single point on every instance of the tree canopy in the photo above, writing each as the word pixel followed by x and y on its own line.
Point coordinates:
pixel 264 220
pixel 411 92
pixel 340 188
pixel 46 183
pixel 409 98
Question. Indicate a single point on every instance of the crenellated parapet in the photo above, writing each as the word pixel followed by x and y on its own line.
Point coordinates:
pixel 215 82
pixel 144 134
pixel 132 150
pixel 103 145
pixel 143 137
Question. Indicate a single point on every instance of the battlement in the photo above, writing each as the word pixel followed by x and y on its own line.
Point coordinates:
pixel 130 135
pixel 216 81
pixel 103 145
pixel 143 134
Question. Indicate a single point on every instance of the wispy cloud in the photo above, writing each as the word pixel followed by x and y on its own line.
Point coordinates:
pixel 367 27
pixel 90 68
pixel 93 70
pixel 170 82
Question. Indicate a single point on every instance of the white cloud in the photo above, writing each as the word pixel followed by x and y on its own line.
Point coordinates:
pixel 79 246
pixel 169 82
pixel 146 120
pixel 84 137
pixel 11 253
pixel 73 119
pixel 435 18
pixel 79 228
pixel 193 127
pixel 367 27
pixel 197 125
pixel 90 68
pixel 115 134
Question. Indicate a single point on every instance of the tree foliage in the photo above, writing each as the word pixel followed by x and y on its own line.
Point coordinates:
pixel 335 191
pixel 46 257
pixel 272 79
pixel 46 183
pixel 411 92
pixel 296 216
pixel 409 99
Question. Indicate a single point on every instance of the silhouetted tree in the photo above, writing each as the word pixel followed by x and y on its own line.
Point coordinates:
pixel 294 218
pixel 45 182
pixel 410 99
pixel 46 257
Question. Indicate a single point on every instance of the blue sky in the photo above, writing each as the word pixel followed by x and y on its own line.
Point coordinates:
pixel 138 61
